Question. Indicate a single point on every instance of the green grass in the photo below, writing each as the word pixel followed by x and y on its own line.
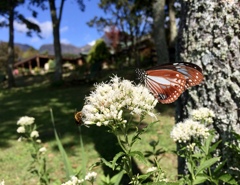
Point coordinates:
pixel 36 101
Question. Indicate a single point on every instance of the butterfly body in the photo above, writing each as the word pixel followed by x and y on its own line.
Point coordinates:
pixel 168 81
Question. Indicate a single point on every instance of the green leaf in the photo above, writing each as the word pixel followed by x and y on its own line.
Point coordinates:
pixel 228 179
pixel 162 183
pixel 144 176
pixel 117 178
pixel 214 146
pixel 206 164
pixel 219 167
pixel 139 155
pixel 68 167
pixel 104 161
pixel 200 179
pixel 116 157
pixel 190 169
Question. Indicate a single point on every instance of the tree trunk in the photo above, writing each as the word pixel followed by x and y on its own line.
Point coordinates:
pixel 11 81
pixel 209 36
pixel 56 37
pixel 172 31
pixel 159 35
pixel 172 24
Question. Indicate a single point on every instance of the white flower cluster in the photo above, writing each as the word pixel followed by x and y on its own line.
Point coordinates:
pixel 203 114
pixel 110 101
pixel 43 150
pixel 184 131
pixel 151 169
pixel 74 181
pixel 25 123
pixel 2 183
pixel 25 120
pixel 91 177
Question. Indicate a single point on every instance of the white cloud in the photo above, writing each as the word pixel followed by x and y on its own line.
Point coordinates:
pixel 20 27
pixel 46 27
pixel 65 41
pixel 92 43
pixel 64 29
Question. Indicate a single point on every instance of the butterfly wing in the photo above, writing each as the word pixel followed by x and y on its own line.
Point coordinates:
pixel 166 85
pixel 168 81
pixel 192 72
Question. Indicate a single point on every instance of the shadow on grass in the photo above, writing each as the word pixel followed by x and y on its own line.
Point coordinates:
pixel 36 101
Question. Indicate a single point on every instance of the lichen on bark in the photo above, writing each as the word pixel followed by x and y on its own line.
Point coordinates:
pixel 209 36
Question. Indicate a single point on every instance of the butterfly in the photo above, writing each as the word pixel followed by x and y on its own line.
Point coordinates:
pixel 168 81
pixel 78 118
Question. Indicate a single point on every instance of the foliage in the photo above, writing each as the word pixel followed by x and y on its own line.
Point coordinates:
pixel 8 9
pixel 129 18
pixel 31 52
pixel 4 55
pixel 106 106
pixel 29 133
pixel 56 16
pixel 6 5
pixel 99 53
pixel 51 65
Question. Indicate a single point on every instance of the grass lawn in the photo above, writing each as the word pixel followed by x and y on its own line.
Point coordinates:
pixel 35 101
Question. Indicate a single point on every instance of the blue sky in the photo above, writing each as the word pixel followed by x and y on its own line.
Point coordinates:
pixel 73 29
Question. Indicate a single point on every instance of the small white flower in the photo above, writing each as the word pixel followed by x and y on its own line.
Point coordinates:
pixel 91 176
pixel 74 181
pixel 191 146
pixel 152 169
pixel 204 114
pixel 34 134
pixel 43 150
pixel 184 131
pixel 2 183
pixel 25 120
pixel 38 141
pixel 21 129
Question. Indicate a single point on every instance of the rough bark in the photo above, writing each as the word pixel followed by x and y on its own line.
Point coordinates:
pixel 56 39
pixel 159 35
pixel 209 36
pixel 172 24
pixel 11 81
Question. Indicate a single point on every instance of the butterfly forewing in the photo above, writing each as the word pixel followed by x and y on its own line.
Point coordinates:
pixel 168 81
pixel 166 85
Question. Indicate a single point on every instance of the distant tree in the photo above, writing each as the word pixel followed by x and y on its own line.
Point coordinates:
pixel 30 53
pixel 56 17
pixel 159 34
pixel 4 56
pixel 98 53
pixel 8 10
pixel 113 35
pixel 131 21
pixel 209 36
pixel 172 23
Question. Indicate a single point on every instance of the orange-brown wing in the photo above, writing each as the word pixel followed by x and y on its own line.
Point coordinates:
pixel 166 85
pixel 168 81
pixel 192 72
